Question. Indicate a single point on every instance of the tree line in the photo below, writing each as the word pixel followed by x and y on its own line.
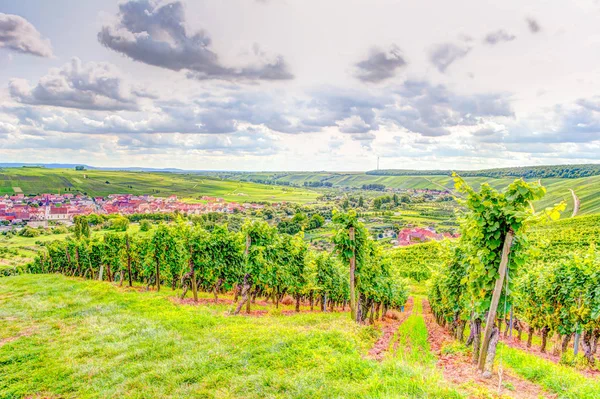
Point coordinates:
pixel 526 172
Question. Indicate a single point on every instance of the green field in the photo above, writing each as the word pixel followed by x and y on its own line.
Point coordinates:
pixel 68 338
pixel 94 183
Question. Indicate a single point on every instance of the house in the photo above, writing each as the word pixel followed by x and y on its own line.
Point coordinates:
pixel 58 214
pixel 417 235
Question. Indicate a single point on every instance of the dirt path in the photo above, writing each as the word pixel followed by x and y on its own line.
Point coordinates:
pixel 458 369
pixel 576 203
pixel 389 328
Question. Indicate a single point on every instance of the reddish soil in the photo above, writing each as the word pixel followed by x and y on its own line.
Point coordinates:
pixel 535 350
pixel 253 312
pixel 458 369
pixel 25 333
pixel 389 326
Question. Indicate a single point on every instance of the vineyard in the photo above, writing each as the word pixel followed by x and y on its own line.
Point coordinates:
pixel 502 277
pixel 192 307
pixel 256 262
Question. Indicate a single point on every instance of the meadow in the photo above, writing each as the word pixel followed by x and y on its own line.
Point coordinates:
pixel 64 337
pixel 103 183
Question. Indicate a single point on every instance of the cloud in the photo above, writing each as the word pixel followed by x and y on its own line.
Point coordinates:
pixel 93 86
pixel 533 25
pixel 498 36
pixel 18 34
pixel 380 65
pixel 415 106
pixel 445 54
pixel 251 142
pixel 157 35
pixel 486 132
pixel 431 110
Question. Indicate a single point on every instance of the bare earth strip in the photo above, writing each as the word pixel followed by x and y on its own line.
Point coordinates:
pixel 389 328
pixel 576 203
pixel 458 369
pixel 17 190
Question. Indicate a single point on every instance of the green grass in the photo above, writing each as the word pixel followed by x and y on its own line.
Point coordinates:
pixel 562 380
pixel 40 180
pixel 69 338
pixel 411 338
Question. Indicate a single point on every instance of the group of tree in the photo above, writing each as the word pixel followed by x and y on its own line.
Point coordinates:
pixel 493 244
pixel 300 222
pixel 318 184
pixel 256 261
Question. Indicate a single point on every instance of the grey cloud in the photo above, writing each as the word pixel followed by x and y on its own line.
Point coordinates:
pixel 380 65
pixel 592 104
pixel 431 110
pixel 498 36
pixel 419 107
pixel 445 54
pixel 156 35
pixel 533 25
pixel 93 86
pixel 18 34
pixel 570 123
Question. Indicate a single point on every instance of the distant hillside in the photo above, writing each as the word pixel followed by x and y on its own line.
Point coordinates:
pixel 527 172
pixel 88 167
pixel 586 188
pixel 32 180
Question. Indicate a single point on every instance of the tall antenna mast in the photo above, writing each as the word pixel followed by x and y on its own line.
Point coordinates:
pixel 377 163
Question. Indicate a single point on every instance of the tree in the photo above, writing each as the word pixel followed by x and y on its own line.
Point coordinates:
pixel 119 223
pixel 377 203
pixel 350 243
pixel 361 202
pixel 167 252
pixel 491 232
pixel 113 254
pixel 316 221
pixel 81 228
pixel 145 225
pixel 225 252
pixel 258 237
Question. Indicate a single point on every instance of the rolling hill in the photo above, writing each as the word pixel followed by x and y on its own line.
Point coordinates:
pixel 587 189
pixel 30 180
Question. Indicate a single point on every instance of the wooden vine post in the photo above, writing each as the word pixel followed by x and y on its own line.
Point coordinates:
pixel 128 246
pixel 157 272
pixel 352 271
pixel 246 284
pixel 491 318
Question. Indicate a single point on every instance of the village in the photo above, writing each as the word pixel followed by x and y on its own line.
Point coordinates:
pixel 45 209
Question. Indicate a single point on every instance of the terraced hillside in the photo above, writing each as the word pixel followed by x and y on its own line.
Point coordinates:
pixel 587 189
pixel 102 183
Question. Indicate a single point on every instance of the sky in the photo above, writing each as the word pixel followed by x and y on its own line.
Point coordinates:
pixel 300 84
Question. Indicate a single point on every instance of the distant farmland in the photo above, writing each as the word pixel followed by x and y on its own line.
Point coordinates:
pixel 102 183
pixel 586 188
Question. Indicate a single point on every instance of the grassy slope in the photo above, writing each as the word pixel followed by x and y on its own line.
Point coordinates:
pixel 62 337
pixel 39 180
pixel 588 188
pixel 557 378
